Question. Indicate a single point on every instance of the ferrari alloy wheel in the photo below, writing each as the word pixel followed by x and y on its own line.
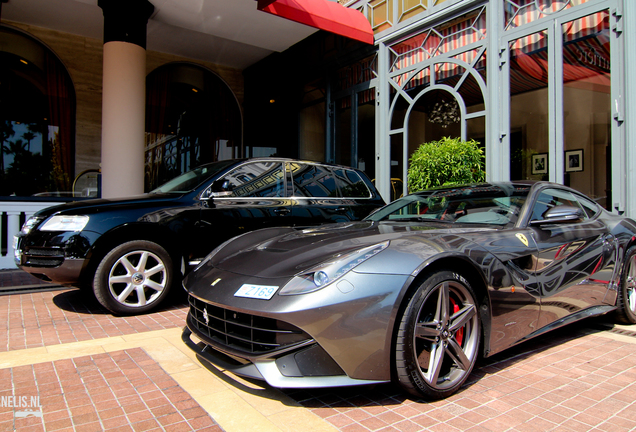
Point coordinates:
pixel 626 303
pixel 133 278
pixel 438 338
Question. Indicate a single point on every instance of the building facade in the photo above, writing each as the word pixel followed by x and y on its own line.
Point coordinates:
pixel 542 85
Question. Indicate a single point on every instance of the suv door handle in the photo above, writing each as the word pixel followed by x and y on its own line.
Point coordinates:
pixel 282 211
pixel 342 209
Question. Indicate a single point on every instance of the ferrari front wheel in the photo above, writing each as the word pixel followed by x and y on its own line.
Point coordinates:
pixel 626 303
pixel 438 336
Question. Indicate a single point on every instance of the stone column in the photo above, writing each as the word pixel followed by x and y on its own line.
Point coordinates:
pixel 124 96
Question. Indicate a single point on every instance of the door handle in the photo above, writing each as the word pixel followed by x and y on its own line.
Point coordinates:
pixel 342 209
pixel 282 211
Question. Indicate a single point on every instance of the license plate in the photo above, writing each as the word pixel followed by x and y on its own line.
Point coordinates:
pixel 263 292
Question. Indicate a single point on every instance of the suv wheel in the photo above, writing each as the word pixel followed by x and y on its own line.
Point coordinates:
pixel 133 278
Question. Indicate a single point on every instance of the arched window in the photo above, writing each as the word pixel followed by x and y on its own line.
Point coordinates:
pixel 438 83
pixel 37 119
pixel 192 118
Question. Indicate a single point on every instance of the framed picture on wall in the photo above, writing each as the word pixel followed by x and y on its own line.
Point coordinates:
pixel 540 163
pixel 574 160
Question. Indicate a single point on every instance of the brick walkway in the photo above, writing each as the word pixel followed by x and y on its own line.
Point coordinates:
pixel 57 317
pixel 560 382
pixel 19 278
pixel 122 391
pixel 93 371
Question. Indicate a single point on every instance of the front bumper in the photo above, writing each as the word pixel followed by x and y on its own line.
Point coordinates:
pixel 46 261
pixel 281 372
pixel 350 321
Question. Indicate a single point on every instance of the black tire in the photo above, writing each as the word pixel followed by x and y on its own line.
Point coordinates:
pixel 438 337
pixel 133 278
pixel 626 301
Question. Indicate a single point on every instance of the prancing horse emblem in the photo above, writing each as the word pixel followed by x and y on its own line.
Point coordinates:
pixel 206 316
pixel 522 238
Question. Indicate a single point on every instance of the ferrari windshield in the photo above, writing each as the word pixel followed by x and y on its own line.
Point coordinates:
pixel 190 180
pixel 498 204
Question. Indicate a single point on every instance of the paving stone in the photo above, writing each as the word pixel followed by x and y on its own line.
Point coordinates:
pixel 578 378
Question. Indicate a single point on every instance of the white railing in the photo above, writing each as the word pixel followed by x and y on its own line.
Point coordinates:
pixel 15 211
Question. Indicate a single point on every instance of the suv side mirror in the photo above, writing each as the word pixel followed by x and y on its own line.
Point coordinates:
pixel 219 188
pixel 560 214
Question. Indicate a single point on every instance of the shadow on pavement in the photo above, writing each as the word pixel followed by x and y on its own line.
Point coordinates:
pixel 84 302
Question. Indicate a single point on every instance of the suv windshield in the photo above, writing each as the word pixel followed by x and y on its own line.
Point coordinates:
pixel 190 180
pixel 482 204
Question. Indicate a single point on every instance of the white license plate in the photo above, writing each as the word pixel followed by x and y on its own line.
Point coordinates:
pixel 263 292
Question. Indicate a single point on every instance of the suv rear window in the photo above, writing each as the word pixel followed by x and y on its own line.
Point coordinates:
pixel 313 181
pixel 351 184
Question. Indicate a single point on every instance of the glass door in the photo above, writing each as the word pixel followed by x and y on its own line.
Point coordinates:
pixel 563 99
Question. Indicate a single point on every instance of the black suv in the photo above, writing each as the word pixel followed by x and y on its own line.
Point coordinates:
pixel 131 251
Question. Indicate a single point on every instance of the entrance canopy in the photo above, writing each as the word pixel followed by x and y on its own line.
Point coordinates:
pixel 322 14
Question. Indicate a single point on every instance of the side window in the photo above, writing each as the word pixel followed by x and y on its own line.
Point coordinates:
pixel 589 207
pixel 313 181
pixel 552 198
pixel 257 179
pixel 350 184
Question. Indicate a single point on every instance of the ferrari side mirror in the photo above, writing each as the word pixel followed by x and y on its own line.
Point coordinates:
pixel 560 214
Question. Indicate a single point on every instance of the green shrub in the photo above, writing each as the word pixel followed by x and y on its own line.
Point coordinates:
pixel 448 161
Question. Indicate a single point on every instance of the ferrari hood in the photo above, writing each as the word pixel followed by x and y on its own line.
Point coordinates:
pixel 293 251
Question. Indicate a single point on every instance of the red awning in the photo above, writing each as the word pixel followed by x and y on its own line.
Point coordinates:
pixel 322 14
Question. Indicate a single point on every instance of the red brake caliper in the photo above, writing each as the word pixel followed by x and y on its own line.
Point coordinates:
pixel 459 336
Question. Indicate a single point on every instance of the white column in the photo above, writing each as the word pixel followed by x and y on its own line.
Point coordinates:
pixel 629 21
pixel 382 122
pixel 497 127
pixel 123 119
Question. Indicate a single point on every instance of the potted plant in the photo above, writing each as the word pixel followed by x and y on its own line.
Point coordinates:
pixel 448 161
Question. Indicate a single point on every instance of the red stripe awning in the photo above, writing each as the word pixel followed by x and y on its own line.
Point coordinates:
pixel 324 15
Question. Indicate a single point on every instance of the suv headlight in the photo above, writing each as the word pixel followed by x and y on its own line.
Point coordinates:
pixel 65 223
pixel 30 223
pixel 330 271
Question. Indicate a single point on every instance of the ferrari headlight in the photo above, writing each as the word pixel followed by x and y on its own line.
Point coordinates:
pixel 330 271
pixel 65 223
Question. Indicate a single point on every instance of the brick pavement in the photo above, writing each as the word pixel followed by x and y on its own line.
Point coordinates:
pixel 19 278
pixel 94 371
pixel 123 391
pixel 564 381
pixel 54 317
pixel 120 390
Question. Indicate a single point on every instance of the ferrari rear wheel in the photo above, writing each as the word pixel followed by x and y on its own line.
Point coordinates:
pixel 626 303
pixel 133 278
pixel 438 337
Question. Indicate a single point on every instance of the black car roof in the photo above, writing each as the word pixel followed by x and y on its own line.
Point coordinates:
pixel 284 159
